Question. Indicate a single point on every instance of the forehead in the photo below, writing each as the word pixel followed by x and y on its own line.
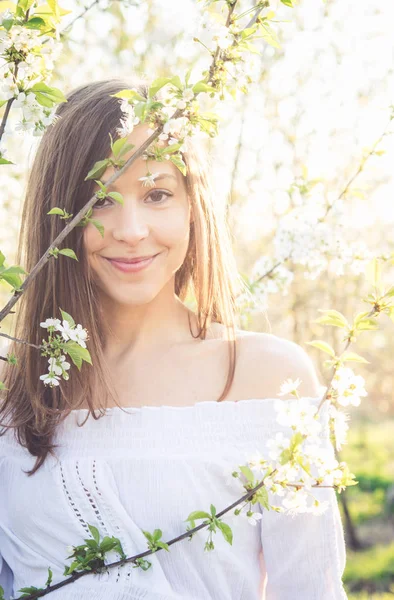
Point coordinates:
pixel 139 168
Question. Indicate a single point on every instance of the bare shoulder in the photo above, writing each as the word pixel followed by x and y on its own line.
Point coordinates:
pixel 265 361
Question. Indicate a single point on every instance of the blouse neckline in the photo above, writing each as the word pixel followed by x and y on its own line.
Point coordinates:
pixel 189 407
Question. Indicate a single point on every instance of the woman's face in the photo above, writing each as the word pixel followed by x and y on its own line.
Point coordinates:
pixel 152 221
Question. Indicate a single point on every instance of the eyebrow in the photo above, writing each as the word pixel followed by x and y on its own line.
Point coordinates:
pixel 159 176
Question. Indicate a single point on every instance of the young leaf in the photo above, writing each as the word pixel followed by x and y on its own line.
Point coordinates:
pixel 98 169
pixel 202 86
pixel 321 345
pixel 333 317
pixel 35 23
pixel 95 533
pixel 352 356
pixel 68 252
pixel 77 353
pixel 129 95
pixel 198 514
pixel 117 197
pixel 98 226
pixel 50 577
pixel 46 95
pixel 67 317
pixel 56 211
pixel 226 531
pixel 178 162
pixel 247 472
pixel 120 147
pixel 158 83
pixel 373 272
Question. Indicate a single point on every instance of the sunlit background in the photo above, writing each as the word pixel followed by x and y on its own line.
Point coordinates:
pixel 318 114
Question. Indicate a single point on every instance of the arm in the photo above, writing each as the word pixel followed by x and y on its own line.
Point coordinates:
pixel 6 578
pixel 304 555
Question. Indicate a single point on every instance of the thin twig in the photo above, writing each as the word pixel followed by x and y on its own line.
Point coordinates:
pixel 20 341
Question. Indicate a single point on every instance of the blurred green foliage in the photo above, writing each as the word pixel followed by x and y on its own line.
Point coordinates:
pixel 369 573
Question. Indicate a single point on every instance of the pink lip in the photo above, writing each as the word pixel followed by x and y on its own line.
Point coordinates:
pixel 131 267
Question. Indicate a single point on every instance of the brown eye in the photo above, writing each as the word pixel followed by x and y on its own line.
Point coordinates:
pixel 159 196
pixel 100 201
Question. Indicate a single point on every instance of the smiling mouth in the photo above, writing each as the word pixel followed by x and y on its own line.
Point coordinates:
pixel 131 267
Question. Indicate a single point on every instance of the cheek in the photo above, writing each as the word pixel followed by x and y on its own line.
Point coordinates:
pixel 176 228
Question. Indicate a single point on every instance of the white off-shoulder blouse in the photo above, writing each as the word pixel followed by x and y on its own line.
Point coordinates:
pixel 148 468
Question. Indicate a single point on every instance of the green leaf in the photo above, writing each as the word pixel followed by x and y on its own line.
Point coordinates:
pixel 120 147
pixel 129 95
pixel 373 272
pixel 101 185
pixel 198 514
pixel 247 472
pixel 213 510
pixel 46 95
pixel 67 317
pixel 4 161
pixel 163 545
pixel 98 169
pixel 11 278
pixel 178 162
pixel 364 323
pixel 157 84
pixel 54 7
pixel 77 353
pixel 68 252
pixel 95 533
pixel 296 440
pixel 98 226
pixel 108 544
pixel 117 197
pixel 50 577
pixel 35 23
pixel 321 345
pixel 269 35
pixel 333 317
pixel 15 270
pixel 226 531
pixel 56 211
pixel 202 86
pixel 177 82
pixel 262 497
pixel 288 3
pixel 2 259
pixel 157 534
pixel 352 356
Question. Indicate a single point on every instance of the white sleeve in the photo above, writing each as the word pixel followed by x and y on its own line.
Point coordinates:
pixel 6 578
pixel 304 555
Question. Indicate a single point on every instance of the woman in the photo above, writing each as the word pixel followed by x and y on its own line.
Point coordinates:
pixel 175 400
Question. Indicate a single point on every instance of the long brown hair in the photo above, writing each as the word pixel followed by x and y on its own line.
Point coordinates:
pixel 66 153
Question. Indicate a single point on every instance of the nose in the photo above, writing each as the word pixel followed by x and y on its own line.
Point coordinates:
pixel 131 225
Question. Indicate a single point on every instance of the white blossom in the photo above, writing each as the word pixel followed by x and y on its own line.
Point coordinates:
pixel 252 517
pixel 51 323
pixel 289 386
pixel 79 335
pixel 50 379
pixel 277 445
pixel 66 330
pixel 300 414
pixel 58 365
pixel 348 386
pixel 340 425
pixel 149 179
